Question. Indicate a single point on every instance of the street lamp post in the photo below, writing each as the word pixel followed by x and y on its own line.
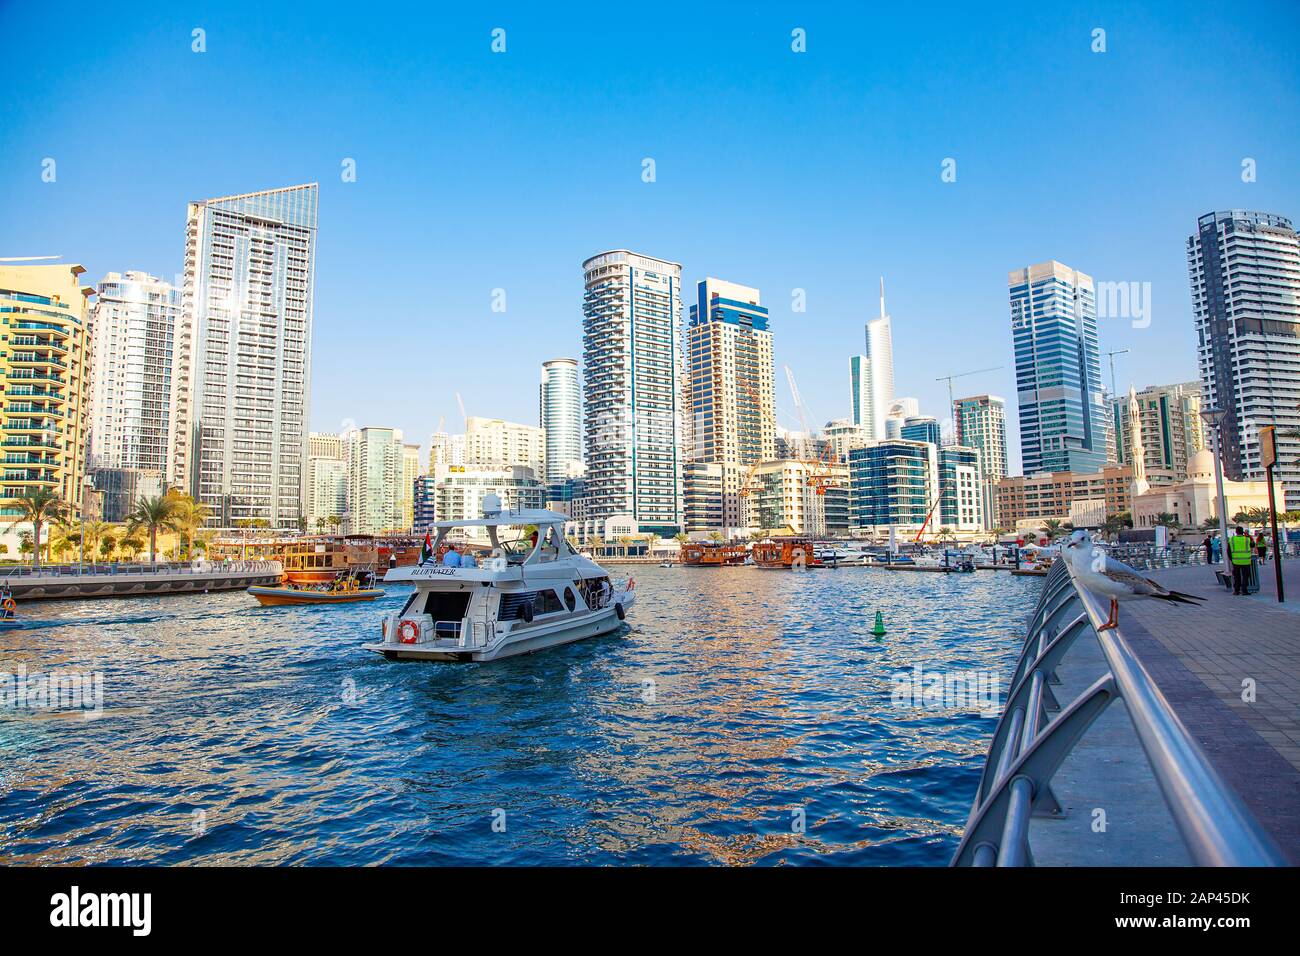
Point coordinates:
pixel 1213 416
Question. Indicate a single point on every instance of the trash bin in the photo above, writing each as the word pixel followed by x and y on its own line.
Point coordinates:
pixel 1252 581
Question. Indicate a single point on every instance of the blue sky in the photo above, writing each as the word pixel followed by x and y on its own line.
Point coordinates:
pixel 818 171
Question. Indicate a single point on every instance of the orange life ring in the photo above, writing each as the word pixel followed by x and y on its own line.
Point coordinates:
pixel 9 604
pixel 408 636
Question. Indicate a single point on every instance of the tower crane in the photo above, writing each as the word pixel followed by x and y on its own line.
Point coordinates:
pixel 952 398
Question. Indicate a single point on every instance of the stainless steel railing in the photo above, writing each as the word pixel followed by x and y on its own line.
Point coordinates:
pixel 1029 745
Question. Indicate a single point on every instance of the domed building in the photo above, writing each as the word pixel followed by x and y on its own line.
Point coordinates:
pixel 1197 499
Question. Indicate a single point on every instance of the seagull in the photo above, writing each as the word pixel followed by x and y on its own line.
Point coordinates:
pixel 1116 580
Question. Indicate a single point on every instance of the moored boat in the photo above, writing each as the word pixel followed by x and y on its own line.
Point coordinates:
pixel 787 552
pixel 272 597
pixel 707 554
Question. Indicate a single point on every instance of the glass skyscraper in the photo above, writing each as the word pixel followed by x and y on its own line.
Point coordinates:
pixel 632 385
pixel 1063 416
pixel 560 415
pixel 239 436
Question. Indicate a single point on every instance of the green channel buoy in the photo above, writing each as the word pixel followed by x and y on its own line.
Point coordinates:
pixel 879 629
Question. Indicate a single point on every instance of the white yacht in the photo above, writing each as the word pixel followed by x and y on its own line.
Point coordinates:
pixel 531 594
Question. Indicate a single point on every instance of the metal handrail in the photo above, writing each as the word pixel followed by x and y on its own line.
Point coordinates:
pixel 1028 746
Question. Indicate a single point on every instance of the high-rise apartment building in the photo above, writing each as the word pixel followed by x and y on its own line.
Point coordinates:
pixel 1157 431
pixel 871 375
pixel 239 435
pixel 327 480
pixel 406 489
pixel 732 386
pixel 45 375
pixel 632 389
pixel 1063 416
pixel 492 441
pixel 374 480
pixel 1245 276
pixel 980 422
pixel 921 428
pixel 559 413
pixel 133 328
pixel 445 449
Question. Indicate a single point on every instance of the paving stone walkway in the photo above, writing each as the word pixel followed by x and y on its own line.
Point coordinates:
pixel 1231 671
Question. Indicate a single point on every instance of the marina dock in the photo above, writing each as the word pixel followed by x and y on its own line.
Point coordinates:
pixel 73 582
pixel 1184 747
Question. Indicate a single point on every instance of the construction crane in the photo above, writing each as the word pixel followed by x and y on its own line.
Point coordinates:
pixel 952 397
pixel 1111 355
pixel 462 410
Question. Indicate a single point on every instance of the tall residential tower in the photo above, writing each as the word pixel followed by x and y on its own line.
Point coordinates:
pixel 239 435
pixel 133 330
pixel 631 378
pixel 560 415
pixel 732 386
pixel 1245 276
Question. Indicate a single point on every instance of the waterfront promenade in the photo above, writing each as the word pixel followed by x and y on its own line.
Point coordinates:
pixel 1231 672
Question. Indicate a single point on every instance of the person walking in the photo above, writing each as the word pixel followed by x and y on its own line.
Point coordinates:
pixel 1239 552
pixel 1208 544
pixel 1261 547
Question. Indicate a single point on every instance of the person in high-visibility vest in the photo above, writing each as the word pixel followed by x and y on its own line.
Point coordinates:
pixel 1240 548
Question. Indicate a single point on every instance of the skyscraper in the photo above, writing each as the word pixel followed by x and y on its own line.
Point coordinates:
pixel 872 375
pixel 327 480
pixel 731 385
pixel 560 415
pixel 374 480
pixel 133 332
pixel 1245 277
pixel 1058 369
pixel 45 374
pixel 980 422
pixel 239 437
pixel 632 385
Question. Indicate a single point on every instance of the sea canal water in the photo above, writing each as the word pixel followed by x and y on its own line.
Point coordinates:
pixel 742 716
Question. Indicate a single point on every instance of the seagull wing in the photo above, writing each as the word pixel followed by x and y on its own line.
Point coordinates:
pixel 1126 577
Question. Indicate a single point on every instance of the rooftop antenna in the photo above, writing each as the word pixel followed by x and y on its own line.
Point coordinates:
pixel 882 297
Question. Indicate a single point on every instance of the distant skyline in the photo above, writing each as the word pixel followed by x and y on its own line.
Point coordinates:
pixel 818 171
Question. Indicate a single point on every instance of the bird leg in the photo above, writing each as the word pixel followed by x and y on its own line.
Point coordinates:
pixel 1113 621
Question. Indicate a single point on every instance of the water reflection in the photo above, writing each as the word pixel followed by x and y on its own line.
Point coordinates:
pixel 738 702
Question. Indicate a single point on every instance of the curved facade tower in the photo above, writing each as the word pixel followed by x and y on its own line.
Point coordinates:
pixel 560 415
pixel 872 375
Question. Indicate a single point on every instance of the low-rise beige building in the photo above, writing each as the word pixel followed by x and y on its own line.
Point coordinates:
pixel 1052 495
pixel 1196 500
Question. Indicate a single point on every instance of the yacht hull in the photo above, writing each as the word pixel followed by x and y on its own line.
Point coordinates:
pixel 539 637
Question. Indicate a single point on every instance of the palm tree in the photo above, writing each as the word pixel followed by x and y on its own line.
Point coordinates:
pixel 1053 528
pixel 38 506
pixel 151 514
pixel 131 544
pixel 1168 520
pixel 945 534
pixel 186 518
pixel 322 523
pixel 94 532
pixel 107 543
pixel 717 537
pixel 335 521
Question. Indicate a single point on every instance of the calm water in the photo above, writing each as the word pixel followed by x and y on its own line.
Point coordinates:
pixel 238 734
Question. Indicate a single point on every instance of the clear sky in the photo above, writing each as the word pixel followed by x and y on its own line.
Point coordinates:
pixel 817 171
